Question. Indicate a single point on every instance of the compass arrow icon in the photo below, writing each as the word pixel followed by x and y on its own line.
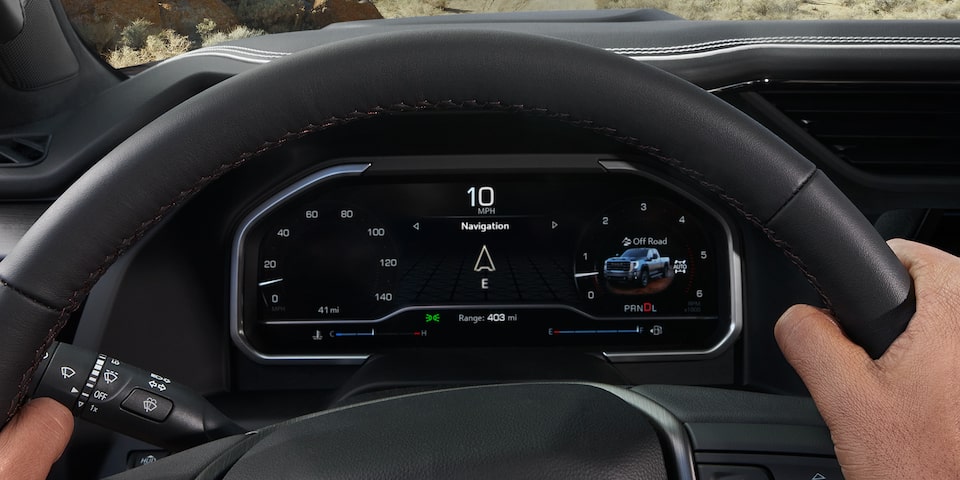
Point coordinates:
pixel 484 261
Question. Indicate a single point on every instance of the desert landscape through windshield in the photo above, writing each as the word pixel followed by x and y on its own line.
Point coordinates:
pixel 135 32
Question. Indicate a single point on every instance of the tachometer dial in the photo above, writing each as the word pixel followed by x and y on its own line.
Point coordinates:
pixel 642 252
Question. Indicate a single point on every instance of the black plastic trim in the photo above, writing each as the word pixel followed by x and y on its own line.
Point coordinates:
pixel 761 438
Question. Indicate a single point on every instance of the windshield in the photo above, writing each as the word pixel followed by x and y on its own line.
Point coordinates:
pixel 135 32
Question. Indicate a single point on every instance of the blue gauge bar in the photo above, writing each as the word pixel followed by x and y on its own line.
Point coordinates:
pixel 551 331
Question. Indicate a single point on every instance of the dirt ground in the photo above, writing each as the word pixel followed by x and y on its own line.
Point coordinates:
pixel 698 9
pixel 520 5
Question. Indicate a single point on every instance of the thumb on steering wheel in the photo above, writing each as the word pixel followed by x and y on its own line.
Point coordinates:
pixel 827 361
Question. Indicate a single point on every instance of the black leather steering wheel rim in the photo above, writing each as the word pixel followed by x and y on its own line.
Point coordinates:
pixel 52 269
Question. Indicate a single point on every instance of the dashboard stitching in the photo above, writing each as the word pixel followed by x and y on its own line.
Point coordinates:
pixel 249 51
pixel 75 299
pixel 823 40
pixel 251 55
pixel 243 54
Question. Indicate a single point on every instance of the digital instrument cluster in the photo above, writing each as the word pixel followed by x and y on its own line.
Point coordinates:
pixel 351 261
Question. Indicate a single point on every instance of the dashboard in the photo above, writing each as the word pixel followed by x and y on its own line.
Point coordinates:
pixel 361 258
pixel 343 323
pixel 407 253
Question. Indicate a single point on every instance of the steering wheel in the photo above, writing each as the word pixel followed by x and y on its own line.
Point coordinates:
pixel 553 430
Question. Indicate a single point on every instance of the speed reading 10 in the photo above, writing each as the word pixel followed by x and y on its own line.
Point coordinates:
pixel 481 196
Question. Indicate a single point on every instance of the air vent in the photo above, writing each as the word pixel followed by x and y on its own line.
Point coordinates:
pixel 881 128
pixel 22 150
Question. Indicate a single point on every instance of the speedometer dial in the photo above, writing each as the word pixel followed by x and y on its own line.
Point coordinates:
pixel 326 261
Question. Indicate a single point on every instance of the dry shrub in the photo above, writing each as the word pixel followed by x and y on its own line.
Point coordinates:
pixel 904 9
pixel 206 27
pixel 796 9
pixel 157 47
pixel 699 9
pixel 657 4
pixel 949 10
pixel 689 9
pixel 889 5
pixel 210 35
pixel 236 34
pixel 142 42
pixel 410 8
pixel 101 36
pixel 135 35
pixel 770 9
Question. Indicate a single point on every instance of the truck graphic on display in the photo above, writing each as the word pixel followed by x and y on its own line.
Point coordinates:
pixel 637 265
